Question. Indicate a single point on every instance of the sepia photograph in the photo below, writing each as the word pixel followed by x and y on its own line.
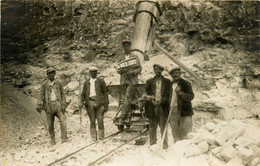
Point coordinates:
pixel 130 82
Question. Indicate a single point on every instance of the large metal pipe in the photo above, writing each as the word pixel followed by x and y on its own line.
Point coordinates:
pixel 146 18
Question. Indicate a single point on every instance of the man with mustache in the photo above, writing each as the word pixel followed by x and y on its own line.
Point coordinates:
pixel 180 104
pixel 157 109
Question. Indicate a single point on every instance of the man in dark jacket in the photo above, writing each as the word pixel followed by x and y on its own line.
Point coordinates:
pixel 53 101
pixel 180 105
pixel 95 98
pixel 128 78
pixel 157 88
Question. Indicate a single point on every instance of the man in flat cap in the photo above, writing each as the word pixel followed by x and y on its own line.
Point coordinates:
pixel 128 78
pixel 181 95
pixel 53 101
pixel 157 108
pixel 95 98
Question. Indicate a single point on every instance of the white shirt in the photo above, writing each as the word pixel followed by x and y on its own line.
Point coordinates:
pixel 174 95
pixel 158 94
pixel 127 57
pixel 53 96
pixel 92 87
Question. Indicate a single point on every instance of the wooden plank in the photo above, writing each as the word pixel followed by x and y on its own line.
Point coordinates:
pixel 182 66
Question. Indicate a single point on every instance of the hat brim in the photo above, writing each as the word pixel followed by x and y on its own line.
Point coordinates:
pixel 172 70
pixel 52 71
pixel 161 67
pixel 126 43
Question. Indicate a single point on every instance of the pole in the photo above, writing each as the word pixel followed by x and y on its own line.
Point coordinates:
pixel 80 105
pixel 166 126
pixel 181 65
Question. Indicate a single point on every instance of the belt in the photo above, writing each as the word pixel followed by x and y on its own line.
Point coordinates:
pixel 93 98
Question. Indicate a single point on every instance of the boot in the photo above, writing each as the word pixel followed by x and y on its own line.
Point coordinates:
pixel 101 134
pixel 52 142
pixel 93 133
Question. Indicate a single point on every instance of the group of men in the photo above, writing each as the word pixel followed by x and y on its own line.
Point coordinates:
pixel 165 96
pixel 94 97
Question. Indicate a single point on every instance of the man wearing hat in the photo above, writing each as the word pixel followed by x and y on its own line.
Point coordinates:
pixel 180 105
pixel 128 78
pixel 95 98
pixel 53 101
pixel 157 108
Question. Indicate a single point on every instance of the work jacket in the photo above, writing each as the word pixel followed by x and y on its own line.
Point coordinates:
pixel 45 92
pixel 101 93
pixel 184 97
pixel 150 88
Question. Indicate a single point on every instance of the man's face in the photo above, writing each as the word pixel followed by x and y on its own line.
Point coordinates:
pixel 51 76
pixel 93 74
pixel 157 70
pixel 127 48
pixel 176 75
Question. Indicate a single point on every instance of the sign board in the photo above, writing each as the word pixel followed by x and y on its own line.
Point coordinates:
pixel 126 64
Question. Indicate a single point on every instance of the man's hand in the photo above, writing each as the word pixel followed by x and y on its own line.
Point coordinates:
pixel 178 89
pixel 156 102
pixel 63 108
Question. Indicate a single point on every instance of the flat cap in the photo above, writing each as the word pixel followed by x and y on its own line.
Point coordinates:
pixel 174 68
pixel 50 69
pixel 125 42
pixel 93 68
pixel 158 65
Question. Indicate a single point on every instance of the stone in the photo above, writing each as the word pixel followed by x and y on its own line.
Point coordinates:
pixel 245 154
pixel 191 135
pixel 180 147
pixel 203 160
pixel 196 150
pixel 237 123
pixel 216 150
pixel 255 161
pixel 252 134
pixel 214 161
pixel 235 162
pixel 204 135
pixel 243 141
pixel 216 130
pixel 227 133
pixel 210 126
pixel 203 146
pixel 227 153
pixel 72 86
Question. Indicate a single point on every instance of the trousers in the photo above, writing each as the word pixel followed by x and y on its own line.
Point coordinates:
pixel 96 113
pixel 128 98
pixel 55 110
pixel 180 125
pixel 158 119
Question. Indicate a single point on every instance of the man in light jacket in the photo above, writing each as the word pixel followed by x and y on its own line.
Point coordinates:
pixel 181 94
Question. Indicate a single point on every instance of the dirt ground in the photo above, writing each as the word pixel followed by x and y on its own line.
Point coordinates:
pixel 26 141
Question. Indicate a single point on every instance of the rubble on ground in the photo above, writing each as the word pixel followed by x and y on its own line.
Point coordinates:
pixel 217 143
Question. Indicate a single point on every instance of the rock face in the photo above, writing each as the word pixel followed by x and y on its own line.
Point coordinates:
pixel 96 28
pixel 216 40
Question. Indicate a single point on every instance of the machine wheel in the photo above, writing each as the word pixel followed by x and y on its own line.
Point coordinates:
pixel 120 127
